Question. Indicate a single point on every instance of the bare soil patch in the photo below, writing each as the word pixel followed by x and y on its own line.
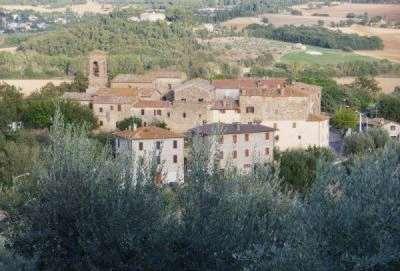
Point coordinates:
pixel 387 84
pixel 28 86
pixel 390 37
pixel 90 6
pixel 9 49
pixel 390 12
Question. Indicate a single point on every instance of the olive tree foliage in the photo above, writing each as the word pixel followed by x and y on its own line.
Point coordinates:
pixel 362 143
pixel 83 209
pixel 352 215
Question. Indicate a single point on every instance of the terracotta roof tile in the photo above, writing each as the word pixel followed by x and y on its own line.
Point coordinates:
pixel 122 92
pixel 149 132
pixel 248 83
pixel 317 117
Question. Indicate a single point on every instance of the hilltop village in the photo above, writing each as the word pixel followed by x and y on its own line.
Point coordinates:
pixel 249 117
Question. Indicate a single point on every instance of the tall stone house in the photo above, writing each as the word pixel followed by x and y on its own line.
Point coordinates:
pixel 237 145
pixel 293 109
pixel 149 145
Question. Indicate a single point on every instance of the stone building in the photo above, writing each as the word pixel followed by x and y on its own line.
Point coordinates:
pixel 97 71
pixel 237 145
pixel 294 109
pixel 392 127
pixel 151 111
pixel 160 81
pixel 153 144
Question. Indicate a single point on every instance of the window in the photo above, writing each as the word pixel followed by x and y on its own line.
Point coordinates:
pixel 392 128
pixel 184 115
pixel 142 112
pixel 275 126
pixel 168 114
pixel 111 107
pixel 140 146
pixel 96 69
pixel 246 137
pixel 154 112
pixel 158 145
pixel 101 123
pixel 159 112
pixel 266 151
pixel 234 154
pixel 119 107
pixel 222 111
pixel 234 138
pixel 266 136
pixel 221 140
pixel 158 160
pixel 175 158
pixel 170 86
pixel 90 106
pixel 246 153
pixel 250 109
pixel 175 144
pixel 299 137
pixel 294 125
pixel 201 100
pixel 183 99
pixel 100 109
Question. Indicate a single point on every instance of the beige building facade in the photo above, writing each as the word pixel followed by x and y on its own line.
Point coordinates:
pixel 237 145
pixel 150 145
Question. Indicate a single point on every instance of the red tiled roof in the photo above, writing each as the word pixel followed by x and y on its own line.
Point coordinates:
pixel 122 92
pixel 147 77
pixel 113 99
pixel 78 96
pixel 317 117
pixel 149 132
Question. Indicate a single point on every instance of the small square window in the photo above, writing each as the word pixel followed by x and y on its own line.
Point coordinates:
pixel 158 145
pixel 158 160
pixel 234 154
pixel 101 109
pixel 299 137
pixel 201 100
pixel 246 153
pixel 101 123
pixel 142 112
pixel 111 107
pixel 266 136
pixel 246 137
pixel 234 138
pixel 266 151
pixel 140 146
pixel 184 115
pixel 175 144
pixel 175 158
pixel 250 109
pixel 168 114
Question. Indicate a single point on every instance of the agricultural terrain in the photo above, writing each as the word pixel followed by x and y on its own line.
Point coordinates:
pixel 387 84
pixel 31 85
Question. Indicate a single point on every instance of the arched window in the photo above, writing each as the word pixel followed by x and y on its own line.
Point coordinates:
pixel 96 69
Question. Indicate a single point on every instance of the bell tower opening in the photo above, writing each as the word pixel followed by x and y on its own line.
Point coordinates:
pixel 97 71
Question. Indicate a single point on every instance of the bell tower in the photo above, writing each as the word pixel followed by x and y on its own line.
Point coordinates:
pixel 97 71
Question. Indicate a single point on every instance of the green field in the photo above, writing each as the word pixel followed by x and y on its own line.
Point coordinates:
pixel 326 57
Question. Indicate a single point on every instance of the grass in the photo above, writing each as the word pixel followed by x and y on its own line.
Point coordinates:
pixel 327 57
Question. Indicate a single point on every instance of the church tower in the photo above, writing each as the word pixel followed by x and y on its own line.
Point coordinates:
pixel 97 71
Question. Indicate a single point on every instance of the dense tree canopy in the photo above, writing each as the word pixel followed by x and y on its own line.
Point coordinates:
pixel 316 36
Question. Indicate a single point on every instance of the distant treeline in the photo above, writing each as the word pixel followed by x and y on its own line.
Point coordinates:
pixel 42 2
pixel 246 8
pixel 316 36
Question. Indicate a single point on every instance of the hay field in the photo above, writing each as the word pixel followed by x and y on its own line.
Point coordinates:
pixel 321 56
pixel 386 83
pixel 28 86
pixel 8 49
pixel 390 37
pixel 390 12
pixel 90 6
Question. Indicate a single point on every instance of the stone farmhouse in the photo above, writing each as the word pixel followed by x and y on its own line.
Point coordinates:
pixel 291 108
pixel 237 145
pixel 150 145
pixel 392 127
